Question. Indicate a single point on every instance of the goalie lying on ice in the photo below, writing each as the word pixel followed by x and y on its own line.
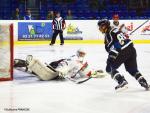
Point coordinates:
pixel 33 65
pixel 76 67
pixel 73 67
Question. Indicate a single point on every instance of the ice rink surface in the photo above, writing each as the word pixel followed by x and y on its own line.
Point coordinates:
pixel 26 94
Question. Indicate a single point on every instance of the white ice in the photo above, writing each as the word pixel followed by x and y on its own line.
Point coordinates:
pixel 94 96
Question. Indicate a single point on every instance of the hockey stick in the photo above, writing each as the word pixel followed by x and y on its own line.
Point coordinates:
pixel 70 79
pixel 84 65
pixel 82 81
pixel 78 81
pixel 76 73
pixel 139 27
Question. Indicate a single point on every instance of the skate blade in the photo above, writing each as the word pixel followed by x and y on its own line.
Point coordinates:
pixel 148 89
pixel 121 89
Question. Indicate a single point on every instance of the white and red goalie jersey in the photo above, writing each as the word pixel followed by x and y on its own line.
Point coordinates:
pixel 73 66
pixel 76 67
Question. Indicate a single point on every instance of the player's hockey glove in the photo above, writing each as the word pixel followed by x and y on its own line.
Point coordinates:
pixel 98 74
pixel 113 54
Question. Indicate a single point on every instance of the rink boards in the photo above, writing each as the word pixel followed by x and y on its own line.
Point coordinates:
pixel 36 32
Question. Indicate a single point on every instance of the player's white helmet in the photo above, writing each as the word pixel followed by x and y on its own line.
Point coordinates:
pixel 81 53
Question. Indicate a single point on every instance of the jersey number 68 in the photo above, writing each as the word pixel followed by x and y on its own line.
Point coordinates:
pixel 121 38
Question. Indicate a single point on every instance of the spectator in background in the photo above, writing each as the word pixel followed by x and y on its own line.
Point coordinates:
pixel 28 15
pixel 58 26
pixel 63 1
pixel 102 5
pixel 68 1
pixel 50 15
pixel 16 15
pixel 94 4
pixel 146 2
pixel 139 7
pixel 69 15
pixel 114 1
pixel 57 1
pixel 44 2
pixel 125 2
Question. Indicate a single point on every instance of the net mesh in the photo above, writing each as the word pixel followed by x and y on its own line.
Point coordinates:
pixel 5 52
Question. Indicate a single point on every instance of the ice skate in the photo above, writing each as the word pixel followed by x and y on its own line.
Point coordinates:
pixel 144 83
pixel 122 83
pixel 122 86
pixel 51 44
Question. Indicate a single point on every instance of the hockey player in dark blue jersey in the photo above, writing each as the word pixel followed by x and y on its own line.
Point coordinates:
pixel 120 51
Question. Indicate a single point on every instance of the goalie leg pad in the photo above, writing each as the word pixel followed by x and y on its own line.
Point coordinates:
pixel 43 72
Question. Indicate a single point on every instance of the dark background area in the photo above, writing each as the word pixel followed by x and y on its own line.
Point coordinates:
pixel 81 9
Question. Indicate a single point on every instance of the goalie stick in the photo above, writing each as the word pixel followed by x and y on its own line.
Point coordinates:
pixel 139 27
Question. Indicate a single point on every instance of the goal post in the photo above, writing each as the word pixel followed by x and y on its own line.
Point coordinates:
pixel 6 52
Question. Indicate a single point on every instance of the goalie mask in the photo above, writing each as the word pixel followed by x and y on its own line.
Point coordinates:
pixel 81 54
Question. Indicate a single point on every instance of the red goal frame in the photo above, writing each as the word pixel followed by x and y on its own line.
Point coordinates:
pixel 11 54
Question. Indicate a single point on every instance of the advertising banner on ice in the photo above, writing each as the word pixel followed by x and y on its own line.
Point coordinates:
pixel 34 31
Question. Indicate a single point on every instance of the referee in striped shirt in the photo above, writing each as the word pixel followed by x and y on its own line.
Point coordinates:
pixel 58 26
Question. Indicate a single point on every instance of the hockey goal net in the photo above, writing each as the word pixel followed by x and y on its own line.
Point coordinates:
pixel 6 52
